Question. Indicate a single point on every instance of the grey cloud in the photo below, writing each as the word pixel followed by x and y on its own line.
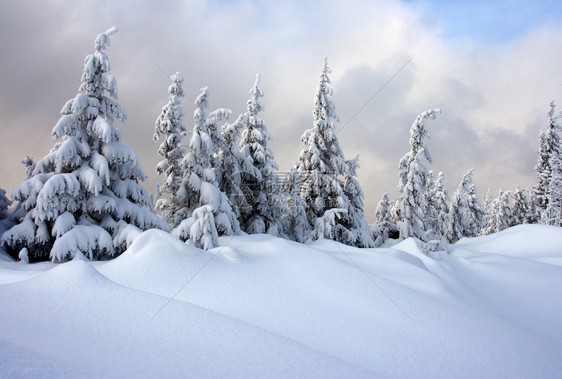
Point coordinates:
pixel 223 45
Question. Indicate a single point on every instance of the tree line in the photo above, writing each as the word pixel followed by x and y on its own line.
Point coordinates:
pixel 220 178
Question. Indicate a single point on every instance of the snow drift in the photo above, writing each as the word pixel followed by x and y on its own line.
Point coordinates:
pixel 260 306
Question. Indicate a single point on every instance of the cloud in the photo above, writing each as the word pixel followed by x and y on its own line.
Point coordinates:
pixel 494 94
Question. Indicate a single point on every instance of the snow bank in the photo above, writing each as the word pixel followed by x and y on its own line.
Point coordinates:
pixel 260 306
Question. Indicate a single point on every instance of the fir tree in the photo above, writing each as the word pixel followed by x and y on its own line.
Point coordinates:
pixel 260 184
pixel 383 228
pixel 553 211
pixel 440 197
pixel 234 164
pixel 85 192
pixel 295 224
pixel 169 126
pixel 431 213
pixel 520 207
pixel 466 213
pixel 208 213
pixel 325 172
pixel 501 214
pixel 505 215
pixel 475 211
pixel 550 144
pixel 532 216
pixel 4 204
pixel 411 205
pixel 492 222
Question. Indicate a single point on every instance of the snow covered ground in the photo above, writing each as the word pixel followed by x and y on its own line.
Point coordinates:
pixel 260 306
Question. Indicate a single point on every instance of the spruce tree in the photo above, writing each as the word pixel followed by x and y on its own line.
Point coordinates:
pixel 170 128
pixel 4 204
pixel 475 211
pixel 383 228
pixel 492 223
pixel 500 216
pixel 520 207
pixel 260 184
pixel 505 214
pixel 440 197
pixel 85 193
pixel 433 221
pixel 324 174
pixel 553 211
pixel 208 213
pixel 411 205
pixel 295 224
pixel 465 213
pixel 234 165
pixel 550 144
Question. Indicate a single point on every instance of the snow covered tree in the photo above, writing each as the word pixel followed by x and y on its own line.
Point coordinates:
pixel 475 212
pixel 295 224
pixel 501 216
pixel 532 216
pixel 553 212
pixel 412 204
pixel 169 126
pixel 325 172
pixel 432 215
pixel 441 200
pixel 550 144
pixel 205 209
pixel 85 192
pixel 491 221
pixel 352 190
pixel 465 212
pixel 413 201
pixel 234 164
pixel 520 207
pixel 4 204
pixel 260 184
pixel 383 228
pixel 505 214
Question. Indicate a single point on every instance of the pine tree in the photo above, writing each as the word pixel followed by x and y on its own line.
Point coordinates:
pixel 475 212
pixel 553 211
pixel 169 126
pixel 550 144
pixel 465 213
pixel 413 201
pixel 440 197
pixel 432 219
pixel 234 164
pixel 492 222
pixel 85 192
pixel 208 213
pixel 413 182
pixel 325 172
pixel 532 216
pixel 295 224
pixel 260 184
pixel 505 215
pixel 4 204
pixel 500 216
pixel 383 228
pixel 520 207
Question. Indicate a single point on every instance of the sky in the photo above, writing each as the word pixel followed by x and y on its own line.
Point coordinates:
pixel 491 67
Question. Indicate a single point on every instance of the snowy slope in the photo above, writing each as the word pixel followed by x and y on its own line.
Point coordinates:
pixel 260 306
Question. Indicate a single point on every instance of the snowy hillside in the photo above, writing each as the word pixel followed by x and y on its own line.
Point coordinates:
pixel 260 306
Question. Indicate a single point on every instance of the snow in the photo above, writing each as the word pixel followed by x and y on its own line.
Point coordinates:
pixel 261 306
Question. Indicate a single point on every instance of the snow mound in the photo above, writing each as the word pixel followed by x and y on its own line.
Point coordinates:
pixel 541 243
pixel 260 306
